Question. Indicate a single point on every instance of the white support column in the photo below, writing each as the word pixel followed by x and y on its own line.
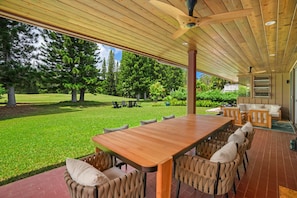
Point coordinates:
pixel 191 83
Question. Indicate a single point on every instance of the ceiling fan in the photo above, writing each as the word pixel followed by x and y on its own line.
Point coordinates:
pixel 189 21
pixel 251 72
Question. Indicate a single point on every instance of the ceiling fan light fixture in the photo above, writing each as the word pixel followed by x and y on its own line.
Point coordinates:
pixel 268 23
pixel 185 44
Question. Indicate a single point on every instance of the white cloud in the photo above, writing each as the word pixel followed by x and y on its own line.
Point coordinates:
pixel 104 53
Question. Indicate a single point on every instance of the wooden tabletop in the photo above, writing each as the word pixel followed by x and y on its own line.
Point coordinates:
pixel 285 192
pixel 149 145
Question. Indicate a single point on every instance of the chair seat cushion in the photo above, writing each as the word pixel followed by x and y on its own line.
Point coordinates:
pixel 226 154
pixel 84 173
pixel 113 173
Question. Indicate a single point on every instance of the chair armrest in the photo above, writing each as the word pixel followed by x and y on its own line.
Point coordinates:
pixel 77 190
pixel 131 184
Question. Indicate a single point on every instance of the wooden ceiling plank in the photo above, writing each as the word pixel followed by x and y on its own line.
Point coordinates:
pixel 269 13
pixel 288 23
pixel 137 26
pixel 123 26
pixel 257 28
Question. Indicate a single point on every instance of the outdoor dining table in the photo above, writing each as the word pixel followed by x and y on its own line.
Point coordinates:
pixel 153 147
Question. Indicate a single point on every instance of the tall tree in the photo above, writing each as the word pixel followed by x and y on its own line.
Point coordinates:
pixel 69 64
pixel 103 69
pixel 110 76
pixel 138 73
pixel 207 82
pixel 17 50
pixel 135 75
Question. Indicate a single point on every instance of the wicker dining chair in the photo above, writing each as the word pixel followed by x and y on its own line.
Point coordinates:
pixel 168 117
pixel 108 130
pixel 144 122
pixel 241 148
pixel 209 177
pixel 119 163
pixel 249 131
pixel 124 185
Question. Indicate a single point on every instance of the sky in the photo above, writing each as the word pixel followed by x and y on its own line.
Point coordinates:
pixel 104 52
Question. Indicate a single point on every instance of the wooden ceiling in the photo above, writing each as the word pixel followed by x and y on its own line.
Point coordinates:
pixel 224 49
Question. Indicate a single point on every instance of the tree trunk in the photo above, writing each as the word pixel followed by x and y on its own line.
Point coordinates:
pixel 82 95
pixel 73 97
pixel 11 97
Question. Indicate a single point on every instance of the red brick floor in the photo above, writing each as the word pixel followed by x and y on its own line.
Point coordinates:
pixel 271 163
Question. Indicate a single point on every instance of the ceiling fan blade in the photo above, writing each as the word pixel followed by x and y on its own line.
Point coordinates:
pixel 260 72
pixel 180 32
pixel 228 16
pixel 168 9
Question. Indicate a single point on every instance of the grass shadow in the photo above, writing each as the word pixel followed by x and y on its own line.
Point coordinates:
pixel 34 172
pixel 30 109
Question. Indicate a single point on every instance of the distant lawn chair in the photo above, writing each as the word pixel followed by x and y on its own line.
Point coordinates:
pixel 115 104
pixel 130 103
pixel 124 103
pixel 135 104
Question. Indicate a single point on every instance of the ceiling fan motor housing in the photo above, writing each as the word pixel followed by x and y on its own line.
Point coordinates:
pixel 190 5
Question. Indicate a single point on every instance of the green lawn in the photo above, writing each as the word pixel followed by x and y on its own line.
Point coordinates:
pixel 42 135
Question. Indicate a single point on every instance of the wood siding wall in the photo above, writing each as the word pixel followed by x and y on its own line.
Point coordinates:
pixel 280 94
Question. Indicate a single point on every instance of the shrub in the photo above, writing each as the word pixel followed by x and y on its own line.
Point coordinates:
pixel 157 91
pixel 207 103
pixel 2 90
pixel 211 98
pixel 180 94
pixel 175 102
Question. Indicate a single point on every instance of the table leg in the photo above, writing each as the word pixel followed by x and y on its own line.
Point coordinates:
pixel 164 177
pixel 97 150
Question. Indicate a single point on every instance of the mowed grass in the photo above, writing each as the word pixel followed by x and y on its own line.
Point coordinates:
pixel 44 130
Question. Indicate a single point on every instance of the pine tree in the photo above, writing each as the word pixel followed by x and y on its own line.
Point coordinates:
pixel 110 75
pixel 69 64
pixel 137 73
pixel 17 50
pixel 103 73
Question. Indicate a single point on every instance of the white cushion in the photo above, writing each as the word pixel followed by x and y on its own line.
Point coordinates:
pixel 113 173
pixel 247 127
pixel 226 154
pixel 257 106
pixel 84 173
pixel 242 107
pixel 237 138
pixel 248 106
pixel 274 109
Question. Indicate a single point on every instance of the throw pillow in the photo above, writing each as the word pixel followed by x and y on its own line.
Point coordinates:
pixel 240 133
pixel 226 154
pixel 237 138
pixel 247 127
pixel 84 173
